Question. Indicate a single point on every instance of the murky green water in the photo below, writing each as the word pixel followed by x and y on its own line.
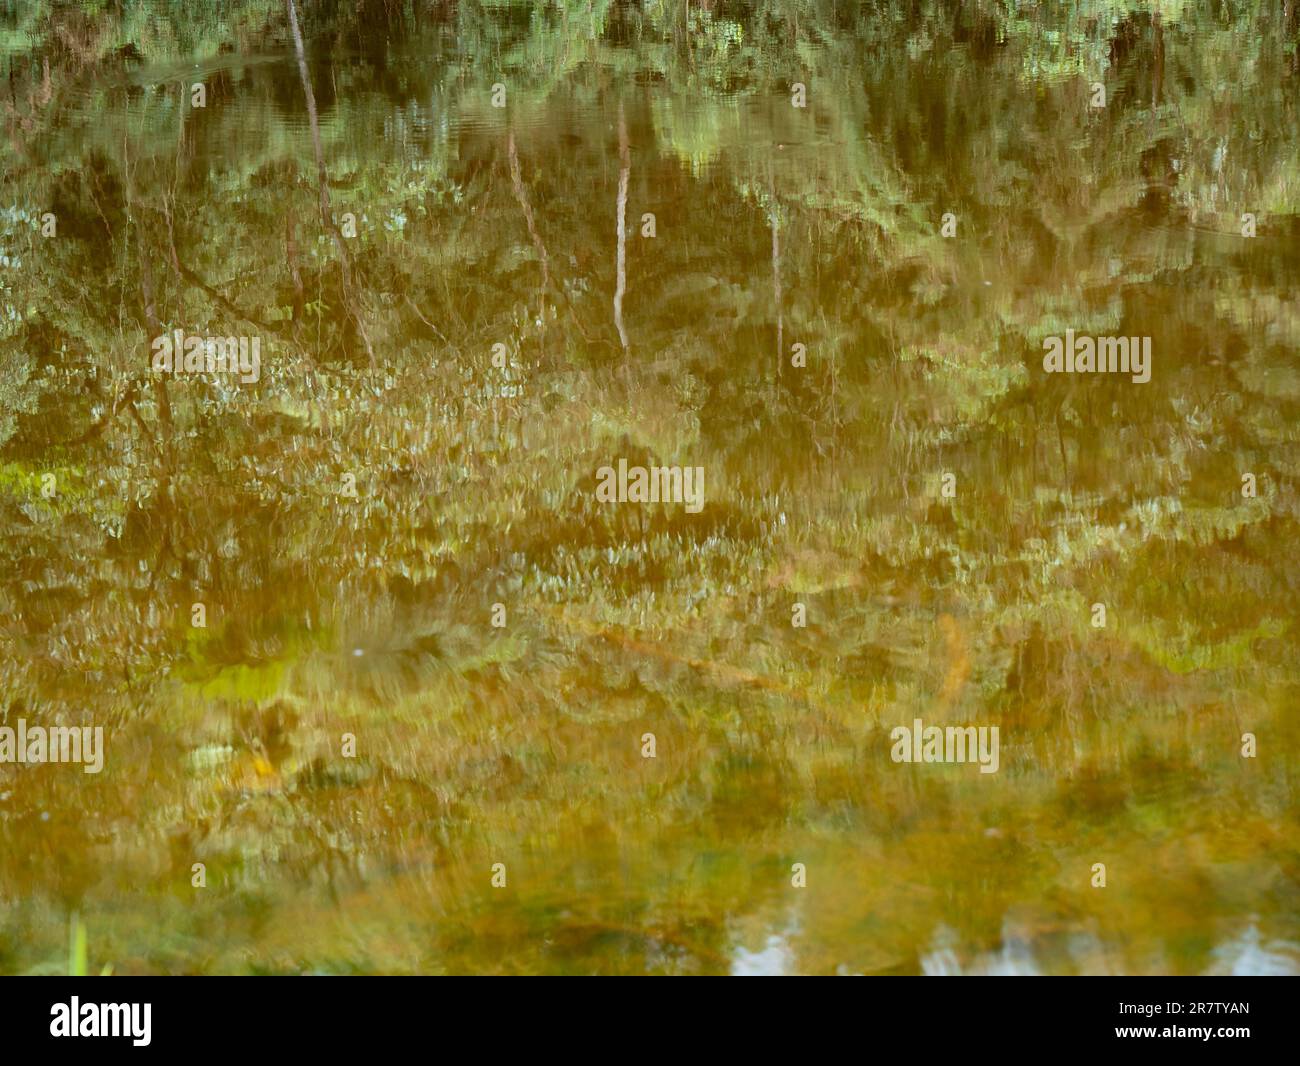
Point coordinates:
pixel 650 253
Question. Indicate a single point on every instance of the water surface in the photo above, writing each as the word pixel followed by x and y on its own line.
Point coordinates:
pixel 773 226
